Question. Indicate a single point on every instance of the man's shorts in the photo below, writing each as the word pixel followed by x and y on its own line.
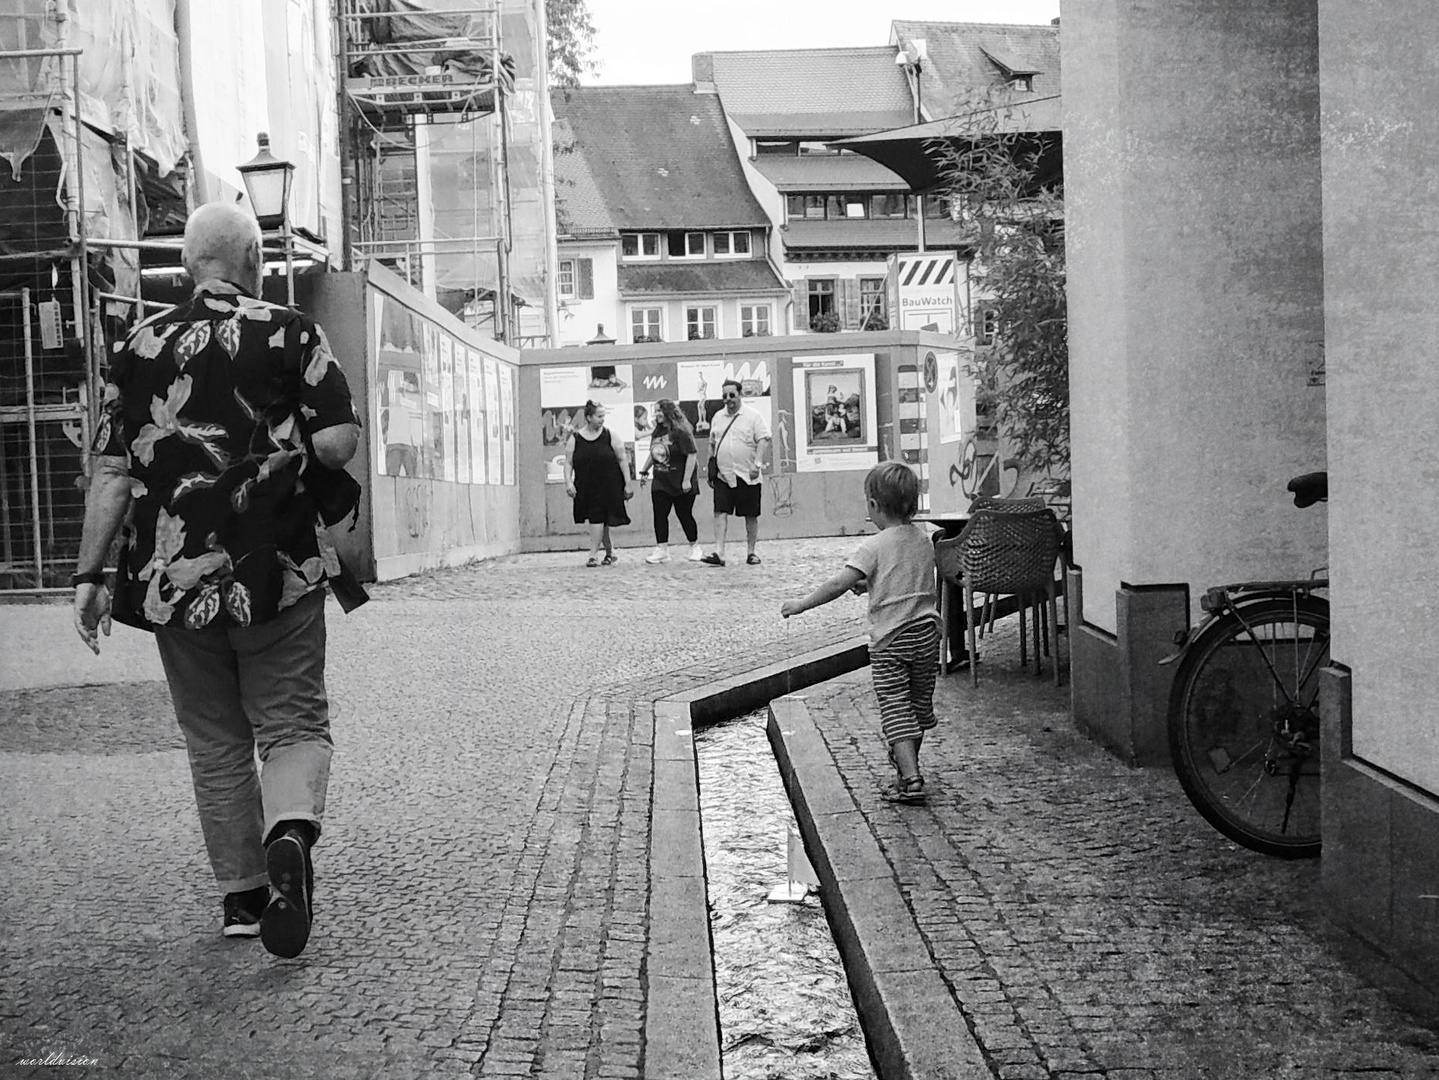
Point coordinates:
pixel 742 500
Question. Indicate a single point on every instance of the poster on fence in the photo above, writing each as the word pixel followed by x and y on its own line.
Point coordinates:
pixel 835 426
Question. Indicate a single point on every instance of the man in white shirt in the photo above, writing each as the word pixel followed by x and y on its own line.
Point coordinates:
pixel 740 443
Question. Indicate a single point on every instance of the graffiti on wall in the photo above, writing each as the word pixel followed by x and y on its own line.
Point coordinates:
pixel 415 500
pixel 784 459
pixel 781 495
pixel 980 470
pixel 976 467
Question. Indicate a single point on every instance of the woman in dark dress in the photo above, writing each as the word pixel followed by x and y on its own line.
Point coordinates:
pixel 597 477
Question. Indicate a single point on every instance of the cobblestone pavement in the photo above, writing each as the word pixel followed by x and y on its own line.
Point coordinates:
pixel 1089 923
pixel 481 887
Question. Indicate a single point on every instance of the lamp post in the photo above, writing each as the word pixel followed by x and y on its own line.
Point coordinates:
pixel 267 182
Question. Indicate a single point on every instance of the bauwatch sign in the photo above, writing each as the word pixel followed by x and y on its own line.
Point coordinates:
pixel 927 285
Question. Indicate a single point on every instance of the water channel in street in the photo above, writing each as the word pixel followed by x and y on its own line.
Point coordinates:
pixel 784 1005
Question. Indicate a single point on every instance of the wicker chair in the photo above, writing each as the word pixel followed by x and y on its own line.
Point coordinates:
pixel 1005 552
pixel 1009 506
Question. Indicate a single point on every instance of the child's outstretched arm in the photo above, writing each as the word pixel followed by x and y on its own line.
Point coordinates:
pixel 832 589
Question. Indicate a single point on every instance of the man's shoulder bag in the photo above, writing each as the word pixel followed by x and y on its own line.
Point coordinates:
pixel 712 473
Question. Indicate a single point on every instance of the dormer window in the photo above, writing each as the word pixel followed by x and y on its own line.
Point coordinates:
pixel 732 245
pixel 687 245
pixel 1017 75
pixel 640 245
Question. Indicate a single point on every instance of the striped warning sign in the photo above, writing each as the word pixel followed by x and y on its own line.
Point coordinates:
pixel 917 271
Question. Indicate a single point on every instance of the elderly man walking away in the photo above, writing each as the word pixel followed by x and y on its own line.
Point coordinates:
pixel 740 444
pixel 225 420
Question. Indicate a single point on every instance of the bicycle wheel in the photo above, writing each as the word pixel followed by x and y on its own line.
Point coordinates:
pixel 1244 723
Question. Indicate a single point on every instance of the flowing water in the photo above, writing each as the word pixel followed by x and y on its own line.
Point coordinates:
pixel 785 1009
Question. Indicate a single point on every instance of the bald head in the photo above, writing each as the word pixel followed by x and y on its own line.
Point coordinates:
pixel 222 241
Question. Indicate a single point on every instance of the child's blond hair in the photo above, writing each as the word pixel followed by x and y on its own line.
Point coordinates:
pixel 894 487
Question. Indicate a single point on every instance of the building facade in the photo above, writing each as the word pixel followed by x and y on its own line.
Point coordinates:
pixel 660 237
pixel 837 216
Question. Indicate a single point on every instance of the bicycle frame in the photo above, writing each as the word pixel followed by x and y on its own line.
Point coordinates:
pixel 1223 598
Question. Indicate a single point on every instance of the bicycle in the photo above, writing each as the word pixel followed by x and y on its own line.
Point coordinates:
pixel 1244 710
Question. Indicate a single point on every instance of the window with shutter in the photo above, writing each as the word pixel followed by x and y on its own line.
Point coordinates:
pixel 849 303
pixel 585 278
pixel 800 307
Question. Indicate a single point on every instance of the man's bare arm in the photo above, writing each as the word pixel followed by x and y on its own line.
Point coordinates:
pixel 105 505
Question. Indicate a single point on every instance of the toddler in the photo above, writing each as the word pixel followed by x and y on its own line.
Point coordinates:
pixel 896 568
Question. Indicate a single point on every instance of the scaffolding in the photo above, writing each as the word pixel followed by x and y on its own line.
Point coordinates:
pixel 425 151
pixel 48 376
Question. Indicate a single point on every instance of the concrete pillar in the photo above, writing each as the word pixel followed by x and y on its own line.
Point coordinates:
pixel 1381 264
pixel 1192 192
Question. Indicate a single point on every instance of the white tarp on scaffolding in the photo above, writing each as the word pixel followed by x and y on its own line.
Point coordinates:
pixel 129 74
pixel 268 65
pixel 29 86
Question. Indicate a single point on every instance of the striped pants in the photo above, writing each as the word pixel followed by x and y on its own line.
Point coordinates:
pixel 904 672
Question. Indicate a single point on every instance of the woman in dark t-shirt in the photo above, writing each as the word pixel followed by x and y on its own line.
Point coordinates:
pixel 673 462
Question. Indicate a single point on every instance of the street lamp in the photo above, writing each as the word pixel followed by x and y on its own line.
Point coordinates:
pixel 267 181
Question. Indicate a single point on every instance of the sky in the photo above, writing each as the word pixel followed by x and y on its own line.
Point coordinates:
pixel 640 42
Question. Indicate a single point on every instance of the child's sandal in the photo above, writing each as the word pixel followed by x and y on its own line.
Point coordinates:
pixel 909 790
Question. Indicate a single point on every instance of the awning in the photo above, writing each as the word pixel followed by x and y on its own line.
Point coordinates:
pixel 914 153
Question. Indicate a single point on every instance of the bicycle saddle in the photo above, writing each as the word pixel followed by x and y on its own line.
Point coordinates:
pixel 1310 488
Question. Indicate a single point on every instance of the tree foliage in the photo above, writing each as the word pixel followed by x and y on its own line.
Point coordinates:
pixel 995 187
pixel 570 41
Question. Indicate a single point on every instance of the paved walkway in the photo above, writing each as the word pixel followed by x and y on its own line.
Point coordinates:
pixel 1083 919
pixel 481 894
pixel 482 904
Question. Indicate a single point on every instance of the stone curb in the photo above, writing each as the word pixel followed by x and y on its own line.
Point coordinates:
pixel 681 1033
pixel 914 1028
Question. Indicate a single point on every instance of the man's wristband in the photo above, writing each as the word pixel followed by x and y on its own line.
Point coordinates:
pixel 94 577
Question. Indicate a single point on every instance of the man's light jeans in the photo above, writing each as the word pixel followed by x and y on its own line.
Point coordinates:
pixel 242 690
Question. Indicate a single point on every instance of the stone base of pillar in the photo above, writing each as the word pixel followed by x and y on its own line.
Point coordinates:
pixel 1120 692
pixel 1380 867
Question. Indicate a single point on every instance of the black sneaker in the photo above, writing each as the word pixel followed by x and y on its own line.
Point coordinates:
pixel 243 911
pixel 285 925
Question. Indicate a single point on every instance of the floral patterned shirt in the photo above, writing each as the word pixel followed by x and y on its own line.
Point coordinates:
pixel 210 403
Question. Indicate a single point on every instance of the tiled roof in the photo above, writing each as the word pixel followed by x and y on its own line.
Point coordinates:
pixel 661 157
pixel 727 276
pixel 964 57
pixel 813 91
pixel 579 207
pixel 869 235
pixel 847 172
